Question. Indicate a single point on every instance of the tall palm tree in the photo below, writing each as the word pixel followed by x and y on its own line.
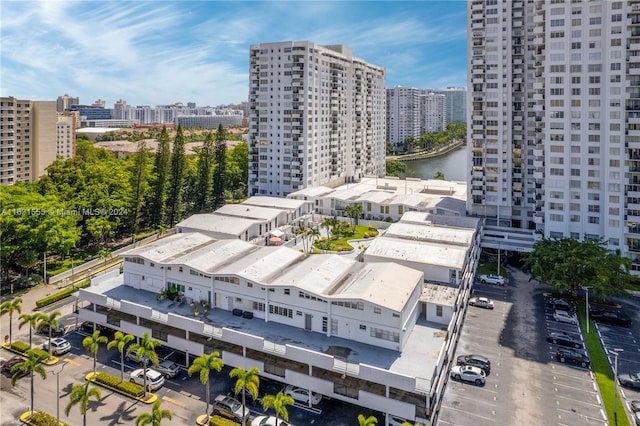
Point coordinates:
pixel 92 344
pixel 313 235
pixel 156 416
pixel 203 365
pixel 246 380
pixel 80 394
pixel 120 340
pixel 145 351
pixel 30 365
pixel 367 421
pixel 32 320
pixel 9 307
pixel 50 321
pixel 279 404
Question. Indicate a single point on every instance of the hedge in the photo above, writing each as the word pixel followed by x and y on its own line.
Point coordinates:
pixel 221 421
pixel 129 388
pixel 23 348
pixel 20 346
pixel 40 418
pixel 62 294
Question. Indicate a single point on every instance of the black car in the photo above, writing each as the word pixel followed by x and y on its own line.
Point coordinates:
pixel 56 332
pixel 9 364
pixel 479 361
pixel 573 357
pixel 561 305
pixel 611 317
pixel 565 339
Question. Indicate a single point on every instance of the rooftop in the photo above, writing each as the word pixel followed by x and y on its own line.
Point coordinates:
pixel 212 222
pixel 274 202
pixel 439 294
pixel 428 232
pixel 425 252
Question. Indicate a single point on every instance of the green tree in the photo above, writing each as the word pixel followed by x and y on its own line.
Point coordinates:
pixel 161 172
pixel 139 184
pixel 367 421
pixel 567 264
pixel 279 404
pixel 104 254
pixel 145 351
pixel 439 175
pixel 204 364
pixel 353 211
pixel 246 381
pixel 178 165
pixel 396 168
pixel 9 307
pixel 29 366
pixel 120 341
pixel 220 156
pixel 155 417
pixel 238 170
pixel 80 395
pixel 203 183
pixel 51 321
pixel 92 344
pixel 32 320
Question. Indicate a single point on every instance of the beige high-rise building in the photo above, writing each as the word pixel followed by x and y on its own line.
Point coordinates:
pixel 66 135
pixel 65 101
pixel 316 117
pixel 27 139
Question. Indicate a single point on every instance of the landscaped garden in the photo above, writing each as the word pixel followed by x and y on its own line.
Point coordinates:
pixel 339 232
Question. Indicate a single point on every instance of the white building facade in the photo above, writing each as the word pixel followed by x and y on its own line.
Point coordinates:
pixel 434 113
pixel 456 103
pixel 403 116
pixel 316 116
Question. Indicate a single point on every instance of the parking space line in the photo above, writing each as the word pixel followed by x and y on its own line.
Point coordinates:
pixel 584 379
pixel 72 362
pixel 174 401
pixel 469 413
pixel 474 399
pixel 581 415
pixel 577 400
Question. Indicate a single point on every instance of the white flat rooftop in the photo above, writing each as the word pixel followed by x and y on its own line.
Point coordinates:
pixel 418 358
pixel 249 212
pixel 442 234
pixel 169 248
pixel 425 252
pixel 274 202
pixel 211 222
pixel 439 294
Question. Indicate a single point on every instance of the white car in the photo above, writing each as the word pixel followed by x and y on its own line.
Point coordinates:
pixel 468 373
pixel 268 421
pixel 302 395
pixel 155 379
pixel 563 316
pixel 492 279
pixel 481 302
pixel 59 346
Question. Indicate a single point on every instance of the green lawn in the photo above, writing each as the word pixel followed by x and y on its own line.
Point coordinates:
pixel 340 243
pixel 491 267
pixel 601 369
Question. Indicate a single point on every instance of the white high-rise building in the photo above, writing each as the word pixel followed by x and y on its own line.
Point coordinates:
pixel 456 100
pixel 316 117
pixel 434 113
pixel 403 116
pixel 554 118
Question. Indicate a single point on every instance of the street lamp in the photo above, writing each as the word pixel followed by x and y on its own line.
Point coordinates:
pixel 58 393
pixel 615 353
pixel 587 288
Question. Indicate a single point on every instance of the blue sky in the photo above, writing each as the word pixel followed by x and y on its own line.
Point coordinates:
pixel 161 52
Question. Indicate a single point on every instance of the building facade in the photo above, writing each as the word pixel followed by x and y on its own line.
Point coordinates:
pixel 316 117
pixel 554 120
pixel 66 135
pixel 27 139
pixel 456 103
pixel 403 116
pixel 65 101
pixel 433 115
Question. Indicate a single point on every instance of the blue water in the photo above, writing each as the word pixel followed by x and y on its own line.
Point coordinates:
pixel 453 165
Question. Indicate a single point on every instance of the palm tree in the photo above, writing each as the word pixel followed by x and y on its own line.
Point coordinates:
pixel 120 340
pixel 246 381
pixel 156 416
pixel 32 320
pixel 279 404
pixel 368 421
pixel 353 211
pixel 80 394
pixel 92 344
pixel 203 365
pixel 313 234
pixel 29 366
pixel 9 307
pixel 50 321
pixel 145 351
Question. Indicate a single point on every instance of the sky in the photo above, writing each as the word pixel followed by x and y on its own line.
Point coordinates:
pixel 163 52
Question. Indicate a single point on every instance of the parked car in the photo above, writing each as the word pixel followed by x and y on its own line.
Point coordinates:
pixel 481 302
pixel 474 360
pixel 230 408
pixel 169 368
pixel 566 317
pixel 561 305
pixel 631 380
pixel 636 416
pixel 492 279
pixel 635 405
pixel 57 332
pixel 573 357
pixel 268 421
pixel 611 317
pixel 303 395
pixel 468 374
pixel 8 365
pixel 565 339
pixel 59 346
pixel 155 379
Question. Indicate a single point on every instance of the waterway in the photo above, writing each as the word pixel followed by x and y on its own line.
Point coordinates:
pixel 453 165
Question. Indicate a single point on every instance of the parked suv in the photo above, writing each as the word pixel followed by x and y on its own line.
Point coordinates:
pixel 479 361
pixel 492 279
pixel 230 408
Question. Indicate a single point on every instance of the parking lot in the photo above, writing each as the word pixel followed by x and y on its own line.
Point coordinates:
pixel 615 337
pixel 527 385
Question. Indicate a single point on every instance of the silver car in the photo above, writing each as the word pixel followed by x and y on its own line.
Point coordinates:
pixel 468 374
pixel 481 302
pixel 631 380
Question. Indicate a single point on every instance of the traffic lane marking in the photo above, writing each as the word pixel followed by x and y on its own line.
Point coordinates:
pixel 174 401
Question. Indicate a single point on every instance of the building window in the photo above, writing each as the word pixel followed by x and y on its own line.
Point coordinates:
pixel 377 310
pixel 438 310
pixel 287 291
pixel 363 327
pixel 279 310
pixel 324 324
pixel 379 333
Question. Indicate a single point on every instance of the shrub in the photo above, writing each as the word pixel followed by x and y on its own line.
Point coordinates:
pixel 128 388
pixel 372 228
pixel 40 418
pixel 221 421
pixel 40 353
pixel 19 346
pixel 53 298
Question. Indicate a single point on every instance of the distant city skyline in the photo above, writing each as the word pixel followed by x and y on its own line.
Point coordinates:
pixel 151 53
